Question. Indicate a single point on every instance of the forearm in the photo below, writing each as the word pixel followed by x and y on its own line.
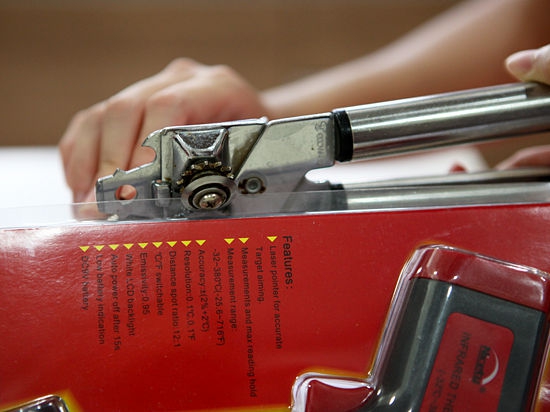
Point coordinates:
pixel 462 48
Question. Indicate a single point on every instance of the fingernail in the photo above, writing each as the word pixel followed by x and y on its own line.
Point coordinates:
pixel 521 63
pixel 84 197
pixel 79 197
pixel 90 196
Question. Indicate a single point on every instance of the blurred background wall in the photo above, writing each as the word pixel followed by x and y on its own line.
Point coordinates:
pixel 59 56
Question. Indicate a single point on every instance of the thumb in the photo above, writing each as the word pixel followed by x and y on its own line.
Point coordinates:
pixel 531 65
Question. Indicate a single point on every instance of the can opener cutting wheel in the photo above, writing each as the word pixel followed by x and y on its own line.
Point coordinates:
pixel 240 167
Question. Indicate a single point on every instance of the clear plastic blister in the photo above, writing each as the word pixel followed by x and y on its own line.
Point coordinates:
pixel 430 193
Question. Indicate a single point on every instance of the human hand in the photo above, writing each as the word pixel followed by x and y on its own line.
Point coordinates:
pixel 108 135
pixel 529 157
pixel 530 65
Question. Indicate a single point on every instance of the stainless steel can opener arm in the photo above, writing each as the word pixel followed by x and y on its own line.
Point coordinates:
pixel 205 166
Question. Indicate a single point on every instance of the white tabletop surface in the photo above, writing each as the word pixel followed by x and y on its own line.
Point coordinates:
pixel 32 176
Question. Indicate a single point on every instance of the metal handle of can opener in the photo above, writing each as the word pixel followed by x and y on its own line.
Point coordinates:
pixel 274 157
pixel 429 122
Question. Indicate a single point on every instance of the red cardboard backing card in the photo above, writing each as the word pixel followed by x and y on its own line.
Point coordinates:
pixel 220 314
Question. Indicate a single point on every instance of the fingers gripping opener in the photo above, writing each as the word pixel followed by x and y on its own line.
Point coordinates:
pixel 221 166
